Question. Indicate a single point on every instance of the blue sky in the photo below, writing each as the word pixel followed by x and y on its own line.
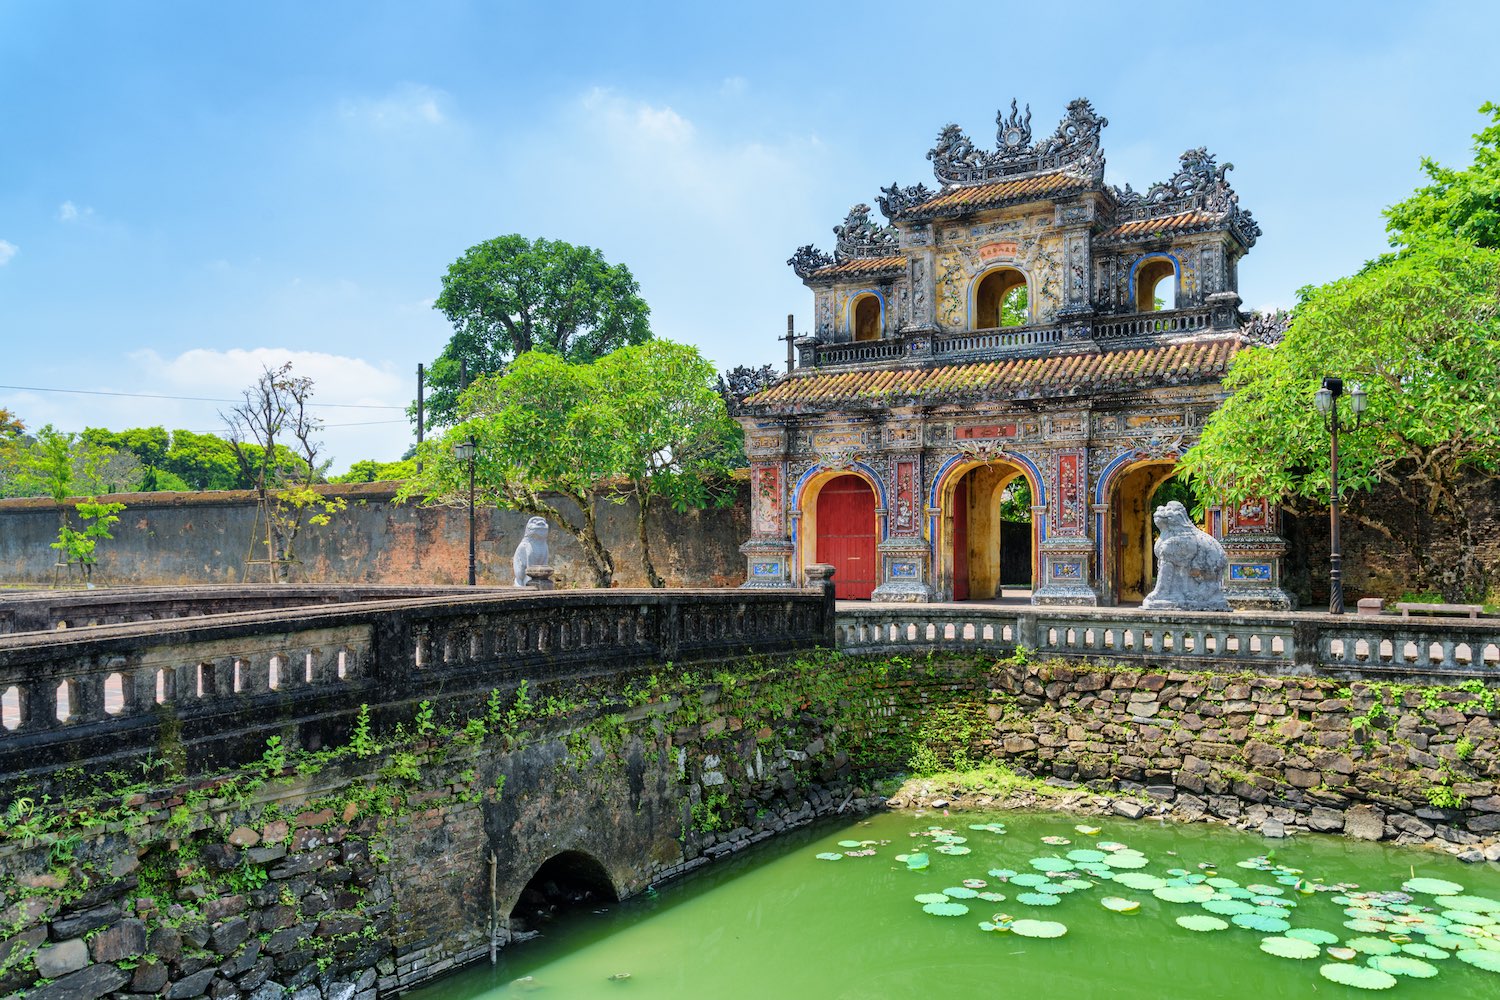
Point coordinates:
pixel 190 189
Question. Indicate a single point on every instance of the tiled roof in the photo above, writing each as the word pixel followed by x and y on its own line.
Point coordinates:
pixel 977 196
pixel 1167 364
pixel 861 266
pixel 1143 228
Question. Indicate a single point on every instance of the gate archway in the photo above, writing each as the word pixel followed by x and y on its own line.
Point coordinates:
pixel 979 554
pixel 844 533
pixel 1132 502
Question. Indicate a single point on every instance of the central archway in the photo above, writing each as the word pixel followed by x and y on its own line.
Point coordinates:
pixel 980 549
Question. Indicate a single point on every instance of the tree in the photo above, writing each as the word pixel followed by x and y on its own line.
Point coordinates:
pixel 1458 203
pixel 675 439
pixel 277 405
pixel 204 462
pixel 79 546
pixel 370 471
pixel 542 428
pixel 508 296
pixel 1421 332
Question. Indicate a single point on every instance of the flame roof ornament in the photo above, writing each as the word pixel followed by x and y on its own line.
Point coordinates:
pixel 1075 144
pixel 1200 184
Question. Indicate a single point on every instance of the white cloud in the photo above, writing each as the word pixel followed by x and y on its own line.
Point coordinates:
pixel 70 212
pixel 7 251
pixel 408 105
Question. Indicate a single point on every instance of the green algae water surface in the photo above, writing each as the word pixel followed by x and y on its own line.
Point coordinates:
pixel 1028 905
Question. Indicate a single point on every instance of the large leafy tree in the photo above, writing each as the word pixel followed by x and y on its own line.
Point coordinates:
pixel 1457 203
pixel 644 421
pixel 543 432
pixel 675 439
pixel 1421 332
pixel 510 295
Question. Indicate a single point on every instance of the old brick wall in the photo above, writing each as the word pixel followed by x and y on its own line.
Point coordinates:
pixel 194 538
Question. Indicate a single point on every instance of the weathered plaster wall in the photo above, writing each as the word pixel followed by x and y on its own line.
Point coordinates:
pixel 189 538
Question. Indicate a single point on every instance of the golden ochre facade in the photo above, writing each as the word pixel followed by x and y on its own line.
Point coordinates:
pixel 1002 376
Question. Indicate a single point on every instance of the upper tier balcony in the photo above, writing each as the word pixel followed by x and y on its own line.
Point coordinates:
pixel 999 342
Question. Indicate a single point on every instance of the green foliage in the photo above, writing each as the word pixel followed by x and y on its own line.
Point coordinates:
pixel 1015 503
pixel 78 546
pixel 1014 308
pixel 424 723
pixel 360 739
pixel 1463 203
pixel 711 815
pixel 1464 748
pixel 1444 796
pixel 1421 333
pixel 274 758
pixel 370 471
pixel 509 295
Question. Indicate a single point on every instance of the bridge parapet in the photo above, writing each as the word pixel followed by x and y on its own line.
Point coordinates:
pixel 1341 645
pixel 214 687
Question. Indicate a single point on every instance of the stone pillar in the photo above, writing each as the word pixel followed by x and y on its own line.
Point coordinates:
pixel 905 554
pixel 769 554
pixel 1067 547
pixel 1075 219
pixel 1250 534
pixel 921 267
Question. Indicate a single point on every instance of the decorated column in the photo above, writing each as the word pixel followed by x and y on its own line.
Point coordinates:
pixel 1250 534
pixel 769 552
pixel 1067 550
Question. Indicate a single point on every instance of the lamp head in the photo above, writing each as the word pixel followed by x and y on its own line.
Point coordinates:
pixel 1323 400
pixel 465 450
pixel 1357 399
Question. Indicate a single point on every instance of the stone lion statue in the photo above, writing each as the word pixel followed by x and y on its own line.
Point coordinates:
pixel 1190 574
pixel 532 551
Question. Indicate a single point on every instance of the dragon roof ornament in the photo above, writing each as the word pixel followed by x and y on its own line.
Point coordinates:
pixel 1075 144
pixel 895 200
pixel 858 237
pixel 808 259
pixel 1200 184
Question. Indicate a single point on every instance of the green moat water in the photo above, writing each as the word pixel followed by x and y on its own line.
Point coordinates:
pixel 779 922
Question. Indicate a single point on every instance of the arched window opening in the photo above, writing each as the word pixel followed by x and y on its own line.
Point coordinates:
pixel 565 883
pixel 1156 285
pixel 867 318
pixel 1001 300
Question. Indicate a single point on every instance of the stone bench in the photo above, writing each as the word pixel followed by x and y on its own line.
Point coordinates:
pixel 1407 607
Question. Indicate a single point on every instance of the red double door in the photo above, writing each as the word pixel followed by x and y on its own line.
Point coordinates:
pixel 846 536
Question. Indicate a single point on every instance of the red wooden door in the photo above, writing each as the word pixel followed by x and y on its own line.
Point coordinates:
pixel 961 540
pixel 846 536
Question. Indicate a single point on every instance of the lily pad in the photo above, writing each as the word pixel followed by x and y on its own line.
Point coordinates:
pixel 1037 899
pixel 1450 941
pixel 946 909
pixel 1139 880
pixel 960 892
pixel 1202 922
pixel 1358 976
pixel 1402 965
pixel 1288 947
pixel 992 897
pixel 975 883
pixel 1219 882
pixel 956 850
pixel 1472 919
pixel 1028 879
pixel 1119 904
pixel 1001 873
pixel 1051 864
pixel 1084 855
pixel 1432 886
pixel 1343 954
pixel 1489 961
pixel 1086 830
pixel 1039 928
pixel 1056 841
pixel 931 897
pixel 830 856
pixel 1312 935
pixel 1373 946
pixel 1426 951
pixel 1228 907
pixel 918 861
pixel 1471 904
pixel 1183 893
pixel 850 843
pixel 1120 859
pixel 1260 922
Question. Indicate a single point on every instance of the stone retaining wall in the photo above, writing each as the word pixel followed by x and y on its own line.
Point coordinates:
pixel 361 872
pixel 1411 763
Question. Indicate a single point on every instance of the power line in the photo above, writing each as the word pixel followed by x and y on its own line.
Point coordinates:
pixel 192 399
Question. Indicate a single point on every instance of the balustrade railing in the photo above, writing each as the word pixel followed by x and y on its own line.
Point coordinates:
pixel 1152 324
pixel 113 688
pixel 998 340
pixel 1348 645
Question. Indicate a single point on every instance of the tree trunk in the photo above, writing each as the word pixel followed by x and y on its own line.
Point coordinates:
pixel 643 500
pixel 593 549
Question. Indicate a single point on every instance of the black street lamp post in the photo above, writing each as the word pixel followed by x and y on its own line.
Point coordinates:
pixel 467 451
pixel 1326 400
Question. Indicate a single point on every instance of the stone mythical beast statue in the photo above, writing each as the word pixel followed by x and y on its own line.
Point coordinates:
pixel 1190 574
pixel 532 551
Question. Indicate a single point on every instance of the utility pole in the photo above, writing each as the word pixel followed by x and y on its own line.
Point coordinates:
pixel 421 377
pixel 791 360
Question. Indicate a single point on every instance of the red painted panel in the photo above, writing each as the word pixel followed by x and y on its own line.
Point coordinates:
pixel 961 540
pixel 846 536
